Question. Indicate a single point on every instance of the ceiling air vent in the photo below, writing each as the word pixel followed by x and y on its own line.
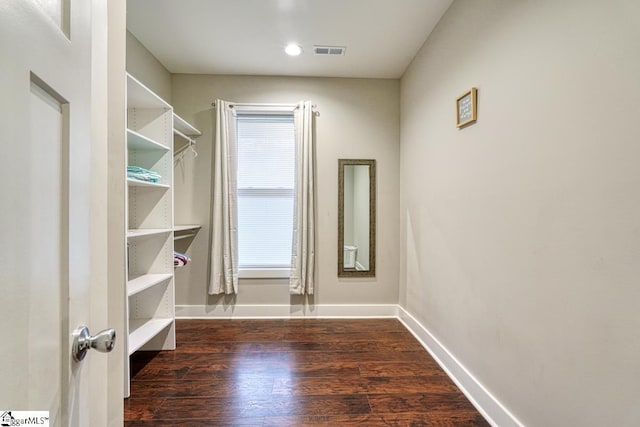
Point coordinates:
pixel 329 50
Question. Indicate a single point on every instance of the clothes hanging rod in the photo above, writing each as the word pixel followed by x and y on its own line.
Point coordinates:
pixel 182 135
pixel 184 236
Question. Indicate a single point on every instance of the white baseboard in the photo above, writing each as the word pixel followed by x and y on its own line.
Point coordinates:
pixel 285 311
pixel 490 408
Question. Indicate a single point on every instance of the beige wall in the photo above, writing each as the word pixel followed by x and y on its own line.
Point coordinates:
pixel 359 118
pixel 142 65
pixel 521 234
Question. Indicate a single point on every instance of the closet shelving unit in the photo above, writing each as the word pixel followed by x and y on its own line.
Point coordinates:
pixel 150 289
pixel 152 131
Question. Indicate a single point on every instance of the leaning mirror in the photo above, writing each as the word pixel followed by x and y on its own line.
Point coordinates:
pixel 356 218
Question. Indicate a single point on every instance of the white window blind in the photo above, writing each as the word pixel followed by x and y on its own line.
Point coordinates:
pixel 266 176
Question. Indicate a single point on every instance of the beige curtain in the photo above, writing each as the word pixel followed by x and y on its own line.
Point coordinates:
pixel 301 280
pixel 224 216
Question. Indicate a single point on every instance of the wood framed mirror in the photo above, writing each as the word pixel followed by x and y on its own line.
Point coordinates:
pixel 356 218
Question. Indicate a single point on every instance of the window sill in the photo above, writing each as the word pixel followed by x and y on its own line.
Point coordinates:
pixel 264 273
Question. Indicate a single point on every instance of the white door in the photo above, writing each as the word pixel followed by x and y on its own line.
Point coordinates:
pixel 50 247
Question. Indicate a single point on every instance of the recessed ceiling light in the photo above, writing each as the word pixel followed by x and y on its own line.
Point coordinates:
pixel 293 49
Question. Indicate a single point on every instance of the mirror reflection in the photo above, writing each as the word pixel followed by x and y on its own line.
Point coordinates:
pixel 356 233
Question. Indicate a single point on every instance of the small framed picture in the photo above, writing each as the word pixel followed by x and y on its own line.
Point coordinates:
pixel 467 108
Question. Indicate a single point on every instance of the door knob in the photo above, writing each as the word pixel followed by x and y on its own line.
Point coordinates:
pixel 103 341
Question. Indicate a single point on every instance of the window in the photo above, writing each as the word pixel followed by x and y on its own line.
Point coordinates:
pixel 266 177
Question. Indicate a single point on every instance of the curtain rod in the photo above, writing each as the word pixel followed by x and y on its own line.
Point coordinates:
pixel 253 104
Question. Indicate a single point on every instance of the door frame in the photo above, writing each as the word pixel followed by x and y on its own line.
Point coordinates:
pixel 115 123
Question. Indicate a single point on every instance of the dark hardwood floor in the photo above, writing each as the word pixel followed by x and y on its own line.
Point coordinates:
pixel 301 372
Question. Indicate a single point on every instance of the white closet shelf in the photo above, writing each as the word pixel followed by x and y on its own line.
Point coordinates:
pixel 182 126
pixel 140 232
pixel 141 331
pixel 136 141
pixel 132 182
pixel 146 281
pixel 140 96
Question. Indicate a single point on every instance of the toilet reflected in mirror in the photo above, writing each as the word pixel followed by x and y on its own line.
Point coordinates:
pixel 356 218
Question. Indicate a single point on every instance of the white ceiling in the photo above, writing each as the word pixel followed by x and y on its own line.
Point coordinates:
pixel 248 36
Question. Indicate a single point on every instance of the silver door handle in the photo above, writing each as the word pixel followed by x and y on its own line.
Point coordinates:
pixel 104 342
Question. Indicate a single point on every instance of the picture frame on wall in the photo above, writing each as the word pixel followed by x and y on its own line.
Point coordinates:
pixel 467 108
